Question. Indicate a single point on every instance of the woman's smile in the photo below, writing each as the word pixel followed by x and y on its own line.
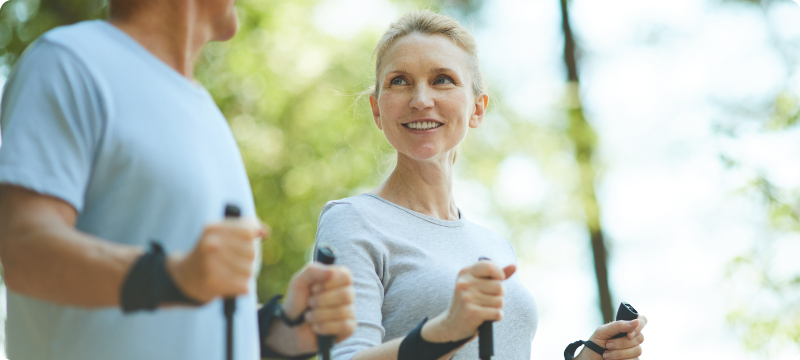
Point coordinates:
pixel 423 126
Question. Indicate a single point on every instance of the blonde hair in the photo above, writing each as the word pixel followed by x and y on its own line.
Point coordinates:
pixel 430 23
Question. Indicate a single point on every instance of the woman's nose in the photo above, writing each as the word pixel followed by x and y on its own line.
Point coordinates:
pixel 421 98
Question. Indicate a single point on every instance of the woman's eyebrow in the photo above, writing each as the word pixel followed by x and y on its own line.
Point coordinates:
pixel 398 71
pixel 442 70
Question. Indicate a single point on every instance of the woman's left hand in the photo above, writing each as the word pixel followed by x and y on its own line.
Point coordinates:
pixel 623 348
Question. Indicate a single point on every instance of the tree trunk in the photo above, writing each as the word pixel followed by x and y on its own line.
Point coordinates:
pixel 584 139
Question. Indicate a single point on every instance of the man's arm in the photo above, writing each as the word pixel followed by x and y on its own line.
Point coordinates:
pixel 45 257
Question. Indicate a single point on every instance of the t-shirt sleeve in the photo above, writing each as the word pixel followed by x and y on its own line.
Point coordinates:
pixel 52 118
pixel 341 226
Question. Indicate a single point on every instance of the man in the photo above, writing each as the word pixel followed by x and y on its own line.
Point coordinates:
pixel 109 144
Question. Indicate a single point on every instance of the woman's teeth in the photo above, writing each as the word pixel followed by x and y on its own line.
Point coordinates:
pixel 423 125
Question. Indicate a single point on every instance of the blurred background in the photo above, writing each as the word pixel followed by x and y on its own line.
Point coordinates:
pixel 643 151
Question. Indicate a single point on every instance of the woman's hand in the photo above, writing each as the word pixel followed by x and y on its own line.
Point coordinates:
pixel 478 297
pixel 624 348
pixel 324 294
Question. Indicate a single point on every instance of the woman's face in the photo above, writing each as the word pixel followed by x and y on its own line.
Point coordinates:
pixel 426 104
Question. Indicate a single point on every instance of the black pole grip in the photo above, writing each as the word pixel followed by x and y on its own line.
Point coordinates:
pixel 325 255
pixel 625 312
pixel 486 340
pixel 229 306
pixel 485 336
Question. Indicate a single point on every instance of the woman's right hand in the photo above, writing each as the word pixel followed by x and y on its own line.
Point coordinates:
pixel 478 297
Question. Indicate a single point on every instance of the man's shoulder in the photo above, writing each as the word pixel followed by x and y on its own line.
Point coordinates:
pixel 79 35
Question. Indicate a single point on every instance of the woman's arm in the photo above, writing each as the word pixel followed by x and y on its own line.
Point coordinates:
pixel 478 297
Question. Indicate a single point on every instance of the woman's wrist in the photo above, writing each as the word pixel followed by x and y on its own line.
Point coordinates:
pixel 435 331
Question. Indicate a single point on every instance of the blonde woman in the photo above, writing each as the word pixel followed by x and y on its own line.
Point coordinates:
pixel 412 253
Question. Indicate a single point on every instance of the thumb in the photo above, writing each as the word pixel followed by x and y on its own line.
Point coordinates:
pixel 611 329
pixel 300 287
pixel 313 273
pixel 510 270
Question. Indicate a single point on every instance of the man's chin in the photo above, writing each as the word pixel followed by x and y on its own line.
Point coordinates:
pixel 227 30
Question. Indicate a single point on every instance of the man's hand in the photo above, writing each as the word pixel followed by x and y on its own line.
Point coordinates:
pixel 221 264
pixel 326 291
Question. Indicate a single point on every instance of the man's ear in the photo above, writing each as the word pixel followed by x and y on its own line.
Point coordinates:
pixel 376 111
pixel 481 103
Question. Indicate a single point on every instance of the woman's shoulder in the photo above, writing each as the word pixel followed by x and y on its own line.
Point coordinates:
pixel 350 207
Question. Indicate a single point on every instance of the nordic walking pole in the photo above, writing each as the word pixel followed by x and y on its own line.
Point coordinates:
pixel 325 255
pixel 485 337
pixel 231 211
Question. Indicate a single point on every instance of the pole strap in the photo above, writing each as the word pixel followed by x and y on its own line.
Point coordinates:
pixel 569 352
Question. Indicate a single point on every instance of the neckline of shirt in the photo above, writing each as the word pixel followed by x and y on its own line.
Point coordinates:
pixel 446 223
pixel 148 57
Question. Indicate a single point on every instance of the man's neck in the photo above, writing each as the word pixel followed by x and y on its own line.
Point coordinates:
pixel 171 31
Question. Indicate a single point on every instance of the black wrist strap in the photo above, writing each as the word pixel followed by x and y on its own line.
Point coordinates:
pixel 148 284
pixel 414 347
pixel 265 316
pixel 280 314
pixel 569 352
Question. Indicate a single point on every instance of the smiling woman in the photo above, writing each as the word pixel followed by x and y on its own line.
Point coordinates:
pixel 413 254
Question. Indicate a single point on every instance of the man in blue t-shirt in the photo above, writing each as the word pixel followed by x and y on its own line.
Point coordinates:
pixel 115 168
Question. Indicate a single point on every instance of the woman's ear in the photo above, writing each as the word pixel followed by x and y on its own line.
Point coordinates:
pixel 376 112
pixel 481 103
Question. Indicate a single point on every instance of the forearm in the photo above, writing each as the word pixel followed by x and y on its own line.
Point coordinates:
pixel 385 351
pixel 389 351
pixel 62 265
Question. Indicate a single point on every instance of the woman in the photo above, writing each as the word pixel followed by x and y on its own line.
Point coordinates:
pixel 412 254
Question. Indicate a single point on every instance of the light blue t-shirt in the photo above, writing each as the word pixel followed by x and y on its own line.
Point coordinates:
pixel 91 117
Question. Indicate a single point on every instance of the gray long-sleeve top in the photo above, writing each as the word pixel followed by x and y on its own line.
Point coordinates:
pixel 405 266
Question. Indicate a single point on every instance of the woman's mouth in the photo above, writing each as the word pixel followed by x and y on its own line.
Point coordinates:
pixel 423 125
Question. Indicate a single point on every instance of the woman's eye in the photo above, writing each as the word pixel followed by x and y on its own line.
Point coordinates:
pixel 397 81
pixel 441 80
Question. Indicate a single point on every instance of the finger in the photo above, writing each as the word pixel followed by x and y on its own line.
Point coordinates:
pixel 486 269
pixel 341 276
pixel 232 283
pixel 341 329
pixel 238 264
pixel 312 274
pixel 611 329
pixel 267 230
pixel 488 301
pixel 330 314
pixel 482 313
pixel 625 343
pixel 245 229
pixel 621 354
pixel 642 323
pixel 509 270
pixel 333 298
pixel 490 287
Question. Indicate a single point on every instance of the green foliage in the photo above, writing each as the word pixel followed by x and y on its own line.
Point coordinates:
pixel 289 91
pixel 22 21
